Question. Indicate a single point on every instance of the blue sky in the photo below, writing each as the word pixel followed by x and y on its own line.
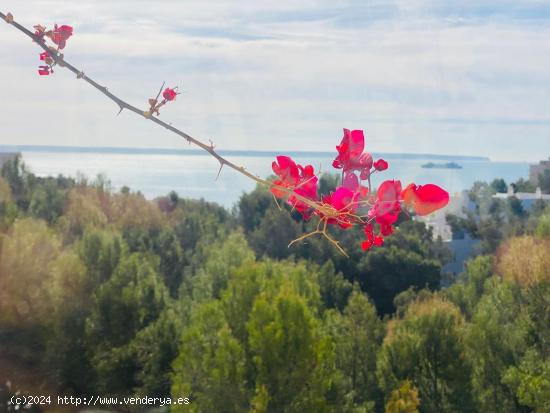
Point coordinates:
pixel 421 76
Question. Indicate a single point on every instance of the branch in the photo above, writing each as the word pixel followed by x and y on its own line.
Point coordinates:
pixel 60 60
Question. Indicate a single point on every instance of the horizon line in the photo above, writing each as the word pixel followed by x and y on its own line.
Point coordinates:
pixel 196 151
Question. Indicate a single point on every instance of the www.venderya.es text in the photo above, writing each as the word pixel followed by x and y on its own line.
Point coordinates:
pixel 21 400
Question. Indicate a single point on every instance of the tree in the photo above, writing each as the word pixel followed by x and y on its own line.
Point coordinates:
pixel 426 347
pixel 387 271
pixel 470 285
pixel 48 201
pixel 404 399
pixel 334 288
pixel 28 250
pixel 273 234
pixel 16 174
pixel 252 208
pixel 101 252
pixel 358 335
pixel 154 348
pixel 522 185
pixel 496 341
pixel 222 259
pixel 294 361
pixel 525 261
pixel 210 367
pixel 132 299
pixel 499 185
pixel 531 381
pixel 542 229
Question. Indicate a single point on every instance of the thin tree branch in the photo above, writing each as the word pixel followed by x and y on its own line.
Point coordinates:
pixel 59 59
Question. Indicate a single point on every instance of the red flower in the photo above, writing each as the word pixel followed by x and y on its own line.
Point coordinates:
pixel 61 34
pixel 371 240
pixel 344 201
pixel 351 182
pixel 306 187
pixel 387 207
pixel 44 55
pixel 287 170
pixel 169 94
pixel 43 70
pixel 297 177
pixel 425 199
pixel 350 154
pixel 380 165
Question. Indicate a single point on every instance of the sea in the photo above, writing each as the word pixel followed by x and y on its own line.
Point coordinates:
pixel 193 173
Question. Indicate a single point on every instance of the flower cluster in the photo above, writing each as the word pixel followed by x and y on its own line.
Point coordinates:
pixel 353 203
pixel 59 36
pixel 168 95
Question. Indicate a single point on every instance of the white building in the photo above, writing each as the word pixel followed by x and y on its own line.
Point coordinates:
pixel 527 199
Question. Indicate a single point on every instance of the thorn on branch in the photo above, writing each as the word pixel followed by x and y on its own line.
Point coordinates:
pixel 278 206
pixel 160 90
pixel 211 145
pixel 80 75
pixel 121 109
pixel 219 171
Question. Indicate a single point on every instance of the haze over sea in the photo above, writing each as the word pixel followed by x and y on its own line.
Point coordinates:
pixel 192 173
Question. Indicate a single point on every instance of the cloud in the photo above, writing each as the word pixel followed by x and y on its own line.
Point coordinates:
pixel 418 75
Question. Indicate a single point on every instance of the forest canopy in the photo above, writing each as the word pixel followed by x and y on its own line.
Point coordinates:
pixel 109 293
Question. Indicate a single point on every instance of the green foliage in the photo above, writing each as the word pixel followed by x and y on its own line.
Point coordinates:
pixel 16 174
pixel 387 271
pixel 499 185
pixel 531 381
pixel 132 299
pixel 522 185
pixel 470 286
pixel 275 231
pixel 294 362
pixel 426 347
pixel 101 252
pixel 403 400
pixel 210 368
pixel 261 347
pixel 111 294
pixel 28 250
pixel 221 260
pixel 334 288
pixel 543 225
pixel 495 341
pixel 358 334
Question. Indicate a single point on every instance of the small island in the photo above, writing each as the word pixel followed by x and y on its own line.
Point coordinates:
pixel 448 165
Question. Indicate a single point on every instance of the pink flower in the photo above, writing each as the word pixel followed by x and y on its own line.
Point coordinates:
pixel 44 56
pixel 387 207
pixel 301 179
pixel 425 199
pixel 372 240
pixel 343 201
pixel 43 70
pixel 169 94
pixel 350 154
pixel 60 35
pixel 287 170
pixel 380 165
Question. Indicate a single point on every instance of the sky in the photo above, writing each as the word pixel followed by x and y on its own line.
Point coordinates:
pixel 418 76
